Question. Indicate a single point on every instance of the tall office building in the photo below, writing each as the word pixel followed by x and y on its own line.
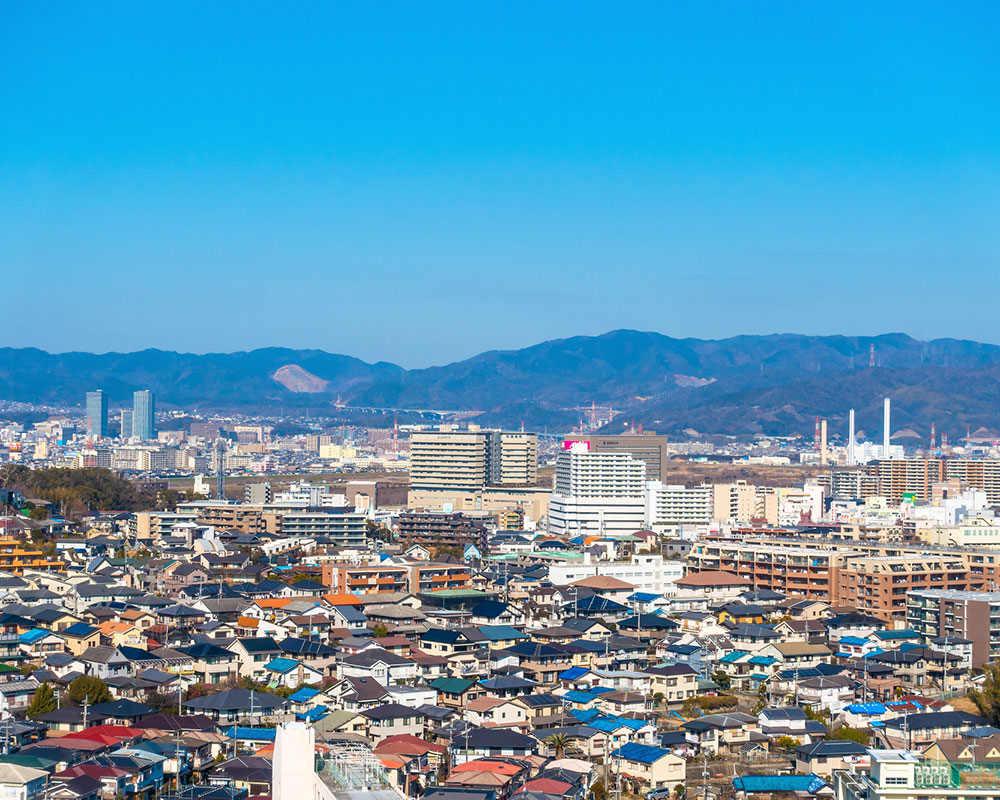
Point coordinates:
pixel 472 460
pixel 647 447
pixel 144 414
pixel 126 432
pixel 597 493
pixel 97 414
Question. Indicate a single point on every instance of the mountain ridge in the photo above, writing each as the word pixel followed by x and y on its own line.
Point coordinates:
pixel 773 384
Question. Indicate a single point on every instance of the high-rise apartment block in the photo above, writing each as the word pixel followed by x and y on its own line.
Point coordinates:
pixel 144 414
pixel 126 431
pixel 597 493
pixel 97 414
pixel 470 460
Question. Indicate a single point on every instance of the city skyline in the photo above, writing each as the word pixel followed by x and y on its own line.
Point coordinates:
pixel 700 172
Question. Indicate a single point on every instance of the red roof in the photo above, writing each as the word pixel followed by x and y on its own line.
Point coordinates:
pixel 546 786
pixel 498 767
pixel 106 734
pixel 407 744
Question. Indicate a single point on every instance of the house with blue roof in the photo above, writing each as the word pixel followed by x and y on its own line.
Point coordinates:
pixel 644 767
pixel 290 672
pixel 37 643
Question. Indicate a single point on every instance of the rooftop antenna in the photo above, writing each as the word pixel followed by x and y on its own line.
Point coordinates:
pixel 871 355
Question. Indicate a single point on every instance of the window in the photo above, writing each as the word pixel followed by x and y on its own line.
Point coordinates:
pixel 896 780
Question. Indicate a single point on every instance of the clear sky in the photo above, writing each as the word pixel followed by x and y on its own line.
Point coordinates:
pixel 418 182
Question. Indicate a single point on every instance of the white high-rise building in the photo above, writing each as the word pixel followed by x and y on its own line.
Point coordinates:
pixel 669 506
pixel 597 493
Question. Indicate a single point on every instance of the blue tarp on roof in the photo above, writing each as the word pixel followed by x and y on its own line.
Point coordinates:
pixel 853 640
pixel 282 665
pixel 32 636
pixel 303 695
pixel 572 673
pixel 254 734
pixel 585 715
pixel 778 783
pixel 764 661
pixel 867 708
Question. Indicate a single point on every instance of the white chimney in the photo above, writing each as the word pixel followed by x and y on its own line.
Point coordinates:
pixel 885 429
pixel 850 438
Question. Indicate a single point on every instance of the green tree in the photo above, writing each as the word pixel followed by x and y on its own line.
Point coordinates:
pixel 43 702
pixel 724 679
pixel 787 742
pixel 657 699
pixel 558 742
pixel 987 699
pixel 598 791
pixel 847 733
pixel 88 688
pixel 380 631
pixel 679 790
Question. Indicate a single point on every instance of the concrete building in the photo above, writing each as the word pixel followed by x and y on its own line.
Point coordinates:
pixel 671 506
pixel 936 613
pixel 597 493
pixel 647 572
pixel 472 460
pixel 649 448
pixel 126 424
pixel 97 414
pixel 144 414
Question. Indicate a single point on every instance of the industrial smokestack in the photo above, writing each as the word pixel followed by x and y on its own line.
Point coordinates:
pixel 850 438
pixel 933 437
pixel 885 429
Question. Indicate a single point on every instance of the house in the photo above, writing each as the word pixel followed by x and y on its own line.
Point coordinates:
pixel 392 719
pixel 747 787
pixel 359 694
pixel 922 730
pixel 825 692
pixel 22 783
pixel 383 666
pixel 211 664
pixel 717 732
pixel 79 636
pixel 823 757
pixel 456 692
pixel 790 721
pixel 290 673
pixel 673 683
pixel 492 612
pixel 255 654
pixel 238 705
pixel 473 743
pixel 644 767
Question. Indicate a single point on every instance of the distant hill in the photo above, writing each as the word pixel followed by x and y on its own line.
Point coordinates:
pixel 773 384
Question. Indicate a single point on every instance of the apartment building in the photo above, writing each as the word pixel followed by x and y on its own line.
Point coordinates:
pixel 424 578
pixel 597 493
pixel 899 477
pixel 671 506
pixel 452 529
pixel 795 570
pixel 470 460
pixel 975 616
pixel 366 579
pixel 878 585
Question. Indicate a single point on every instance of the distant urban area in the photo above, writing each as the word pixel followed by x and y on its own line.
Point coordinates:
pixel 196 603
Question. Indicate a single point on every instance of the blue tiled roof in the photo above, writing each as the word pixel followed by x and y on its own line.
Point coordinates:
pixel 643 753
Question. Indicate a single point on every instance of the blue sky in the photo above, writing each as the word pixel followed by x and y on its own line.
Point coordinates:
pixel 418 182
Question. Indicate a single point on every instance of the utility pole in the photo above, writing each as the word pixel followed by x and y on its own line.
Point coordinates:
pixel 704 776
pixel 86 704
